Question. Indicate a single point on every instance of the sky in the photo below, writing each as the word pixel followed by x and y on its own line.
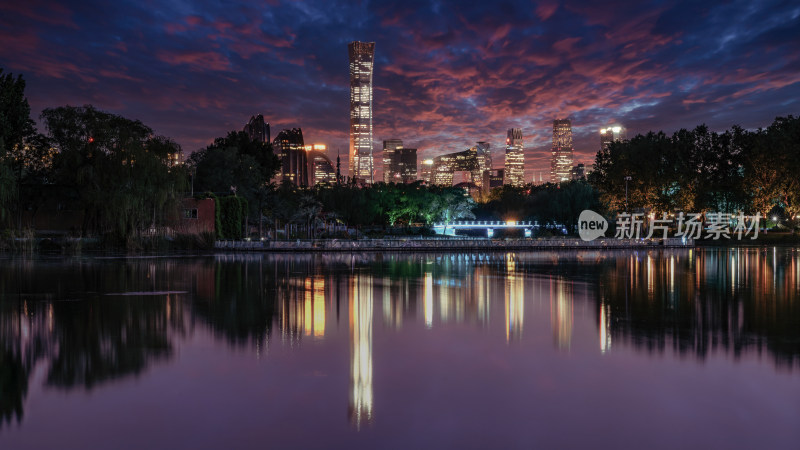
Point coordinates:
pixel 446 74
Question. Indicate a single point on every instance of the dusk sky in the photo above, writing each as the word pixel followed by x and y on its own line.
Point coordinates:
pixel 447 74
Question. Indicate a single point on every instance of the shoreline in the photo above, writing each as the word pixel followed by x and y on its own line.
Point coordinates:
pixel 438 245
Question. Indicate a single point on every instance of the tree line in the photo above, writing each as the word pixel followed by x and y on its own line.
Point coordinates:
pixel 738 170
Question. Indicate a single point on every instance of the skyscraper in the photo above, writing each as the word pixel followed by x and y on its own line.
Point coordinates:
pixel 515 158
pixel 561 160
pixel 289 148
pixel 389 148
pixel 257 129
pixel 475 160
pixel 321 169
pixel 361 58
pixel 404 163
pixel 426 171
pixel 611 134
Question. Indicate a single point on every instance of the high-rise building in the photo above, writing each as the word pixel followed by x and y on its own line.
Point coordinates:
pixel 578 172
pixel 611 134
pixel 389 147
pixel 474 160
pixel 562 153
pixel 321 170
pixel 515 158
pixel 426 171
pixel 405 164
pixel 362 55
pixel 257 129
pixel 493 178
pixel 289 148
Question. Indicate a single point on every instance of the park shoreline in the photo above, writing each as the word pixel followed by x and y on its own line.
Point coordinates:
pixel 438 245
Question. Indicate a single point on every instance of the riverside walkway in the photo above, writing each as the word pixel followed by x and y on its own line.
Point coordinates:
pixel 443 244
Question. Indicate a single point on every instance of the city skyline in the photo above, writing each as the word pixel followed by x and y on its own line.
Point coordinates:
pixel 196 72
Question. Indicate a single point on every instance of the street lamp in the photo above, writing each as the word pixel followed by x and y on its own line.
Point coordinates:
pixel 626 192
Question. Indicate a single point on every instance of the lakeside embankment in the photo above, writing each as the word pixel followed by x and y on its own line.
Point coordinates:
pixel 432 244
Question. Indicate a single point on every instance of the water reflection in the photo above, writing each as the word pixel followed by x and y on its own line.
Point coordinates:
pixel 696 302
pixel 360 407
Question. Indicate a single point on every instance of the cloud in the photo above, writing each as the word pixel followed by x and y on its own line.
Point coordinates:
pixel 446 74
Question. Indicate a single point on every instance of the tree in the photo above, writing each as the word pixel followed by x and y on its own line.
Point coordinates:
pixel 113 169
pixel 236 163
pixel 15 127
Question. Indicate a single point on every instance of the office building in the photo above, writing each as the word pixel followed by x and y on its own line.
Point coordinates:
pixel 321 168
pixel 389 147
pixel 493 178
pixel 611 134
pixel 361 59
pixel 515 158
pixel 288 146
pixel 578 172
pixel 257 129
pixel 562 152
pixel 474 160
pixel 406 164
pixel 426 171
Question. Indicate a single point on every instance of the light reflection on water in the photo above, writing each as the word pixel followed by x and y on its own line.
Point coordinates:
pixel 373 311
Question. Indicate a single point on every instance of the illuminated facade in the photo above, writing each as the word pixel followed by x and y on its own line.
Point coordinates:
pixel 475 160
pixel 321 168
pixel 515 158
pixel 175 158
pixel 289 148
pixel 426 171
pixel 362 55
pixel 611 134
pixel 257 129
pixel 562 153
pixel 389 148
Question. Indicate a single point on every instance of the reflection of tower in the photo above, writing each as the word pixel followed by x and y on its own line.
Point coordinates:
pixel 360 407
pixel 605 322
pixel 561 312
pixel 428 299
pixel 515 295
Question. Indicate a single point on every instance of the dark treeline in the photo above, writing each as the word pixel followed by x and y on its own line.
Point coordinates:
pixel 702 171
pixel 111 170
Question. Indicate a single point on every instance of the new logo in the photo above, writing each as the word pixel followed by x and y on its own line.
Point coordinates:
pixel 591 225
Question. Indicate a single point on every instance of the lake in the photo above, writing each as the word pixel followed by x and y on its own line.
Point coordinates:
pixel 687 348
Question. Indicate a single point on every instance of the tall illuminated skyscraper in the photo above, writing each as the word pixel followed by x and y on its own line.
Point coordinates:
pixel 515 158
pixel 562 153
pixel 362 55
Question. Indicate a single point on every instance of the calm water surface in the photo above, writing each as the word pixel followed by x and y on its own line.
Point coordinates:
pixel 648 349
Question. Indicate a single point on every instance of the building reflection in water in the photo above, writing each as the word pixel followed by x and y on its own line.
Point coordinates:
pixel 561 312
pixel 360 407
pixel 605 322
pixel 514 300
pixel 428 299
